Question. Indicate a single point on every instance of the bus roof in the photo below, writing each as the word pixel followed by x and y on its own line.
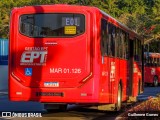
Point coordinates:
pixel 121 25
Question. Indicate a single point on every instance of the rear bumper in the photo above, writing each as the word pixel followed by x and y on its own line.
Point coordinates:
pixel 85 94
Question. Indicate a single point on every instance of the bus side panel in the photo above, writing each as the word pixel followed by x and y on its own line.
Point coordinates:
pixel 137 78
pixel 123 77
pixel 149 74
pixel 104 95
pixel 101 64
pixel 114 78
pixel 117 75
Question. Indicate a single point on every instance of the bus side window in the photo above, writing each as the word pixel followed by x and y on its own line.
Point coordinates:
pixel 137 50
pixel 116 43
pixel 147 61
pixel 126 44
pixel 122 44
pixel 109 39
pixel 113 40
pixel 151 61
pixel 154 64
pixel 103 42
pixel 155 61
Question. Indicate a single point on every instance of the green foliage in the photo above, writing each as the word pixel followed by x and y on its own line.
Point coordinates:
pixel 134 10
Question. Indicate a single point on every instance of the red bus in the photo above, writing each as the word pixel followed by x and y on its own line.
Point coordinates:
pixel 67 54
pixel 152 68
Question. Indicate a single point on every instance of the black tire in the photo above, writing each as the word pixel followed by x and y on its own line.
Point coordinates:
pixel 155 81
pixel 119 98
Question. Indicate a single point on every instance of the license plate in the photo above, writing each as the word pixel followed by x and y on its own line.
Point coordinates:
pixel 51 84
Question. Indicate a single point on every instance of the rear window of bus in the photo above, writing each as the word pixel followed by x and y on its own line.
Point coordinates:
pixel 52 25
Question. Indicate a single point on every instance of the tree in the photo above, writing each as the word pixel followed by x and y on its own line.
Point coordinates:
pixel 133 12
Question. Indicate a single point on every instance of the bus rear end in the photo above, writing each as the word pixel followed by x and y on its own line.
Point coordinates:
pixel 50 58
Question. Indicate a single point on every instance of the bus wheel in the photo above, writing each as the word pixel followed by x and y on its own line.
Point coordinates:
pixel 155 81
pixel 119 98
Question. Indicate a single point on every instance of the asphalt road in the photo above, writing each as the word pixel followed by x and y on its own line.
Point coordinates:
pixel 74 112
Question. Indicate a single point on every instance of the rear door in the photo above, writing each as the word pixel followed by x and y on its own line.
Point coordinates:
pixel 52 50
